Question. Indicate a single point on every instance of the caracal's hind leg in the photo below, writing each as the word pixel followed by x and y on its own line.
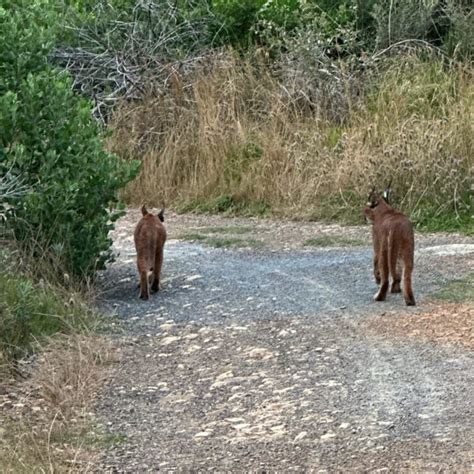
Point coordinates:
pixel 155 286
pixel 393 255
pixel 407 283
pixel 376 259
pixel 144 284
pixel 376 269
pixel 383 268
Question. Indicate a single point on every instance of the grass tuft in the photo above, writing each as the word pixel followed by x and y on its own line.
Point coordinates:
pixel 223 242
pixel 53 430
pixel 333 241
pixel 458 291
pixel 31 312
pixel 228 230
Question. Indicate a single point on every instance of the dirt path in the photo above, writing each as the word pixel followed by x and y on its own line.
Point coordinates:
pixel 275 357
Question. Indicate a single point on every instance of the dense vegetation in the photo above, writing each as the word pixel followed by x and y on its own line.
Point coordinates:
pixel 58 185
pixel 286 107
pixel 51 145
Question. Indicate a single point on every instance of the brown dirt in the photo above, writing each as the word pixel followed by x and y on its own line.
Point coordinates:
pixel 444 323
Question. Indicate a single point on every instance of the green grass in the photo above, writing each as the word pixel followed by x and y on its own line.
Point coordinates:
pixel 31 312
pixel 457 291
pixel 193 237
pixel 333 241
pixel 226 205
pixel 227 230
pixel 88 435
pixel 431 222
pixel 223 242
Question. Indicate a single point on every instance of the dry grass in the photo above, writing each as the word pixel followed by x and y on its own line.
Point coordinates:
pixel 234 141
pixel 46 422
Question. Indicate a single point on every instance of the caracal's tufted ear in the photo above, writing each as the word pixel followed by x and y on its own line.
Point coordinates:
pixel 161 215
pixel 373 199
pixel 144 211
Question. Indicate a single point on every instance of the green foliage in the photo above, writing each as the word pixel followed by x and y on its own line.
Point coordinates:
pixel 238 229
pixel 241 23
pixel 333 241
pixel 223 242
pixel 29 313
pixel 235 20
pixel 459 42
pixel 239 159
pixel 50 140
pixel 397 21
pixel 458 291
pixel 27 33
pixel 227 205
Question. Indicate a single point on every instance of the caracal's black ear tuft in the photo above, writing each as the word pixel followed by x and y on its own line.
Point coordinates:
pixel 161 215
pixel 372 194
pixel 144 211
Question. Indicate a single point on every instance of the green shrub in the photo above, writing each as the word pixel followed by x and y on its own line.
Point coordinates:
pixel 30 312
pixel 50 140
pixel 460 40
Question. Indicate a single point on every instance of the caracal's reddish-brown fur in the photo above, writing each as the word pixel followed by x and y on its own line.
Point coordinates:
pixel 394 243
pixel 150 237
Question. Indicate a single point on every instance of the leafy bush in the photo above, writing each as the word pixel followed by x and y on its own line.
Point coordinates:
pixel 51 142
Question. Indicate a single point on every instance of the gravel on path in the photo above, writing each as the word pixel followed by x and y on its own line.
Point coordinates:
pixel 277 358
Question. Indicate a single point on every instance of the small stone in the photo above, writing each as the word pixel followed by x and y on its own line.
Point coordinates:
pixel 328 436
pixel 167 326
pixel 235 420
pixel 260 353
pixel 203 434
pixel 166 341
pixel 241 426
pixel 300 436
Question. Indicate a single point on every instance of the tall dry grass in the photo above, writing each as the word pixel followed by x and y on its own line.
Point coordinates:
pixel 237 140
pixel 46 421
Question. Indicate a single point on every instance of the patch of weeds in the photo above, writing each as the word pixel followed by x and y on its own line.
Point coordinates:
pixel 239 159
pixel 66 378
pixel 227 230
pixel 332 137
pixel 333 241
pixel 346 208
pixel 88 435
pixel 457 291
pixel 229 242
pixel 193 237
pixel 227 205
pixel 258 208
pixel 445 222
pixel 31 312
pixel 223 242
